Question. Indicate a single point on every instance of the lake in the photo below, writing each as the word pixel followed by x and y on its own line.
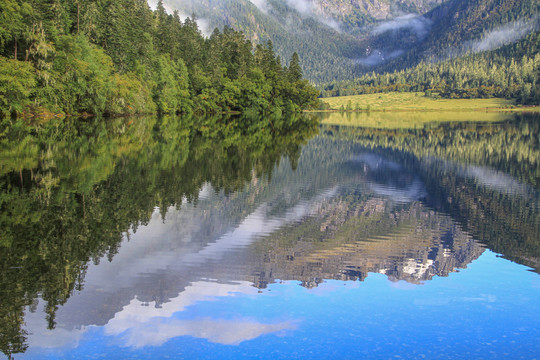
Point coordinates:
pixel 351 236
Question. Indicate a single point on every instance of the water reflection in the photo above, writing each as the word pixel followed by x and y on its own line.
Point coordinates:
pixel 164 229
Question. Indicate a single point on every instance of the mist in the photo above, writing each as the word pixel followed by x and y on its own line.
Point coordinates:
pixel 304 8
pixel 504 35
pixel 494 39
pixel 377 57
pixel 419 24
pixel 175 5
pixel 262 5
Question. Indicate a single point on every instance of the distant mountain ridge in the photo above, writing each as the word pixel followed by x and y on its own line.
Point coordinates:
pixel 374 10
pixel 339 40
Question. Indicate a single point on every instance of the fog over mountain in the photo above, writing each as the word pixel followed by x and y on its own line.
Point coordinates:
pixel 339 40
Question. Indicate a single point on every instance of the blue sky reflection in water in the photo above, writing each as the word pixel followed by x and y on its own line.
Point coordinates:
pixel 488 310
pixel 361 251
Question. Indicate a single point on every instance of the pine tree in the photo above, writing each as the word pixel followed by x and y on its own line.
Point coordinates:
pixel 294 71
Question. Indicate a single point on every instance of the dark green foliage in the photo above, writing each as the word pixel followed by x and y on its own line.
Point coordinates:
pixel 325 54
pixel 332 54
pixel 120 57
pixel 16 80
pixel 295 71
pixel 511 72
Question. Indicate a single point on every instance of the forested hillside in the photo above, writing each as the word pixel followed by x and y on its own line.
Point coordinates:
pixel 450 48
pixel 120 57
pixel 324 50
pixel 458 27
pixel 473 49
pixel 511 72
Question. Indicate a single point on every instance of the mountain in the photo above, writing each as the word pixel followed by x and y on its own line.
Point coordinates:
pixel 340 40
pixel 316 37
pixel 457 27
pixel 354 14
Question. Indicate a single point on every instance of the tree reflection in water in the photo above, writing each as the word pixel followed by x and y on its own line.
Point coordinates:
pixel 164 203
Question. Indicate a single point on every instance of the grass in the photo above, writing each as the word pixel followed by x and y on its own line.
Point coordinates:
pixel 397 101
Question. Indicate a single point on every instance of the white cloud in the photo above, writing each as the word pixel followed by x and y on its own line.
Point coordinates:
pixel 377 57
pixel 41 337
pixel 140 324
pixel 503 35
pixel 135 313
pixel 261 5
pixel 491 40
pixel 153 6
pixel 173 5
pixel 302 6
pixel 308 9
pixel 331 23
pixel 420 25
pixel 228 332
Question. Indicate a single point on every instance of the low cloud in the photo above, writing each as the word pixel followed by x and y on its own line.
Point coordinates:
pixel 494 39
pixel 503 35
pixel 261 5
pixel 40 337
pixel 331 23
pixel 308 9
pixel 153 6
pixel 174 5
pixel 377 57
pixel 302 6
pixel 420 25
pixel 417 24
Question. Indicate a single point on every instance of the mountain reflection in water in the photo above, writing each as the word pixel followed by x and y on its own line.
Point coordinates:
pixel 191 235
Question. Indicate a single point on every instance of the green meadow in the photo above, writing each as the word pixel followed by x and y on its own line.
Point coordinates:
pixel 401 101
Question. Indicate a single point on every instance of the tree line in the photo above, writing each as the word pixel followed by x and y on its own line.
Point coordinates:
pixel 511 72
pixel 121 57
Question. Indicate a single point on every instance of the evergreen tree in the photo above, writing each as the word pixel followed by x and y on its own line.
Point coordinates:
pixel 295 71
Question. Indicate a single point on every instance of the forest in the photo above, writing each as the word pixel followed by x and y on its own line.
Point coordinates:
pixel 511 72
pixel 121 57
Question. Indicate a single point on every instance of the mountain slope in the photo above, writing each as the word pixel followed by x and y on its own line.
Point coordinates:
pixel 315 38
pixel 340 40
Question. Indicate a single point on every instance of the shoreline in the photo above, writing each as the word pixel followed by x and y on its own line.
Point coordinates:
pixel 418 102
pixel 529 109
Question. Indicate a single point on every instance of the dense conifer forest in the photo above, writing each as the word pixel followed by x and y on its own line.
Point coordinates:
pixel 511 72
pixel 460 49
pixel 121 57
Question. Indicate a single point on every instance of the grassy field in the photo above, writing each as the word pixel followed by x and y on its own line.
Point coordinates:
pixel 396 101
pixel 407 119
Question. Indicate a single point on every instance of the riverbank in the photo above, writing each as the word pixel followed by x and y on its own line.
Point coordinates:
pixel 398 101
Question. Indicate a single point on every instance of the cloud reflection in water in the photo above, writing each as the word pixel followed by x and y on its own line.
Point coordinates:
pixel 140 324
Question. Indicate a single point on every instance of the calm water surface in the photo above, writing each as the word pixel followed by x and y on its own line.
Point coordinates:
pixel 277 238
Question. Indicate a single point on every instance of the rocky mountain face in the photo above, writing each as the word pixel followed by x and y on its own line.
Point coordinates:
pixel 342 39
pixel 376 9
